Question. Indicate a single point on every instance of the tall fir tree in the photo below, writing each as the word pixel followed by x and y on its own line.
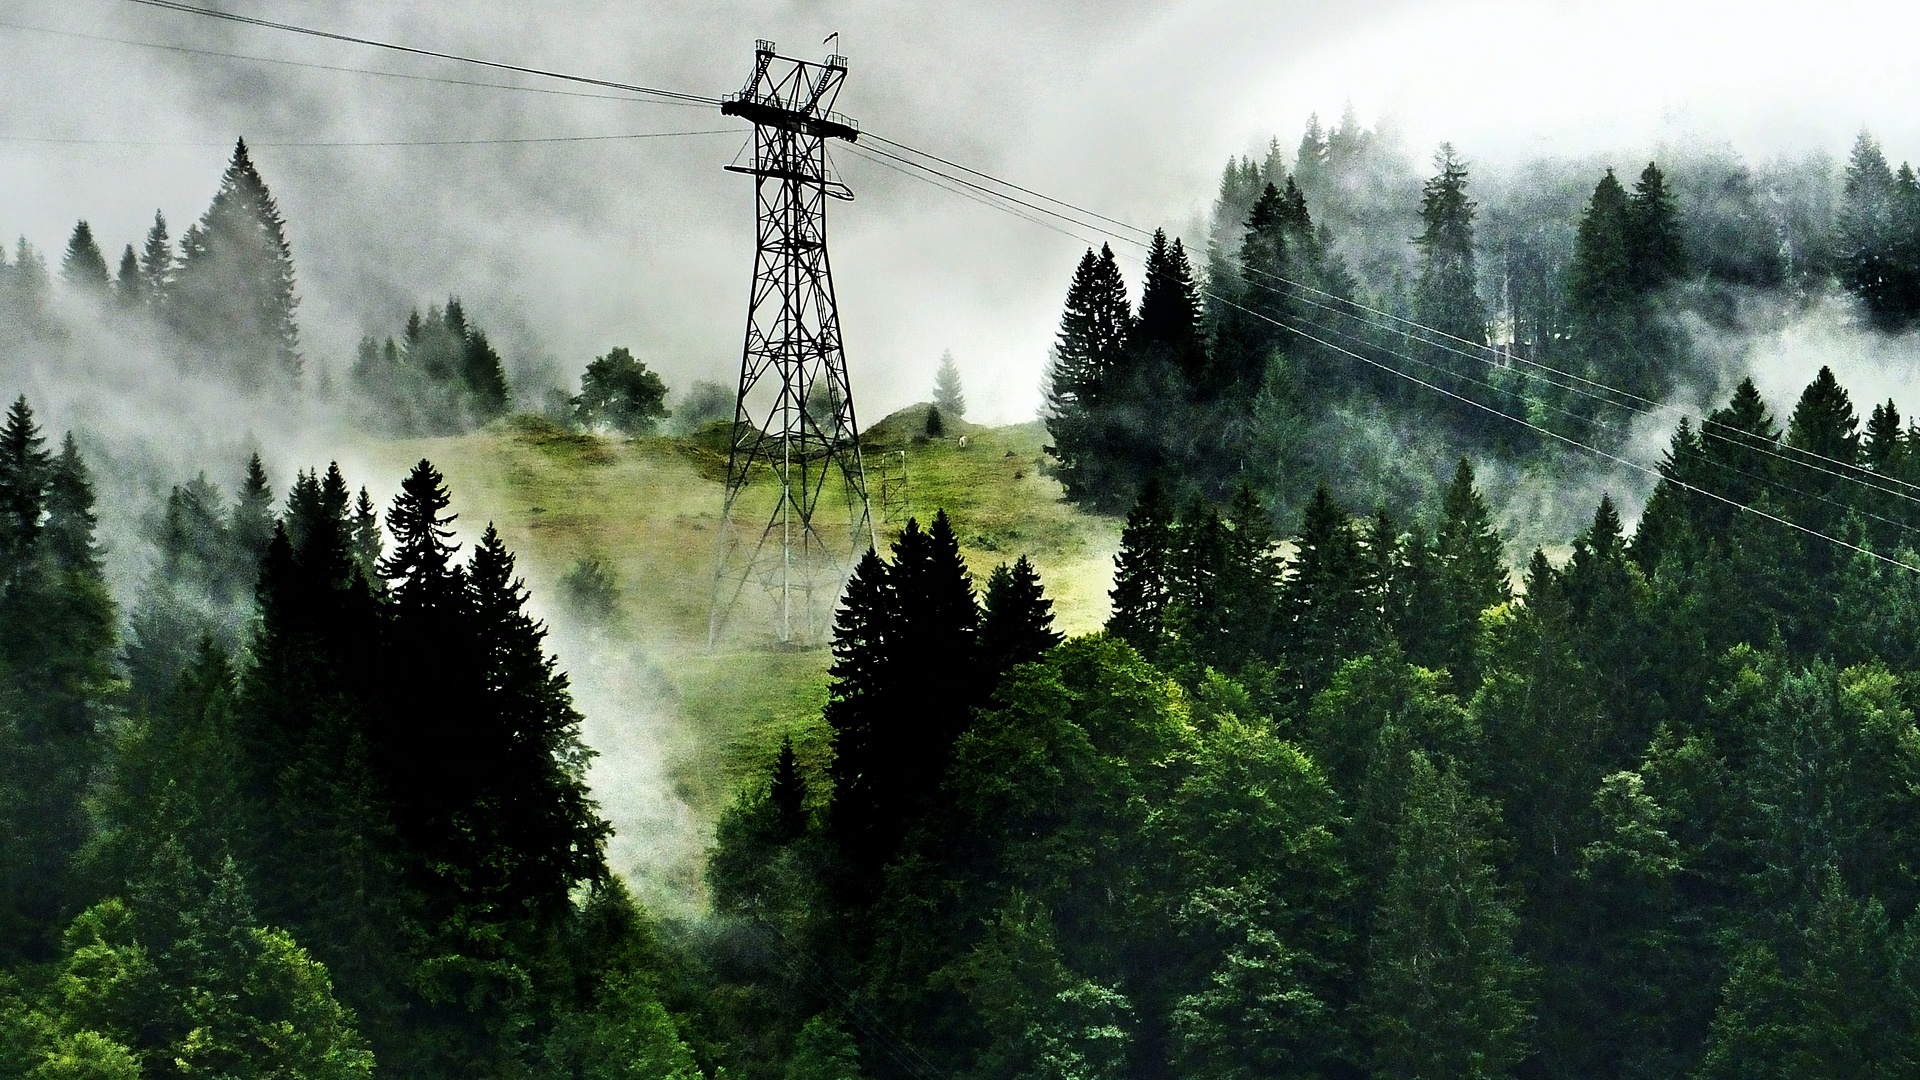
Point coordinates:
pixel 1654 238
pixel 1016 619
pixel 947 395
pixel 1446 993
pixel 1143 573
pixel 84 267
pixel 234 287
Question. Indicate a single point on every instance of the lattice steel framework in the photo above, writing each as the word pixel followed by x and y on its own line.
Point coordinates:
pixel 794 432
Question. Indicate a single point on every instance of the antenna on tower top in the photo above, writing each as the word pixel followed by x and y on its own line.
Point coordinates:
pixel 794 433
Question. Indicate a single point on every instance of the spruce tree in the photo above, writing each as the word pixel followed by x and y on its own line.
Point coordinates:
pixel 857 710
pixel 1653 236
pixel 1016 619
pixel 1470 576
pixel 1602 275
pixel 1447 298
pixel 1824 423
pixel 1143 573
pixel 157 263
pixel 252 522
pixel 1329 611
pixel 1170 311
pixel 1885 444
pixel 1740 444
pixel 129 288
pixel 1082 376
pixel 234 288
pixel 84 267
pixel 787 792
pixel 1251 584
pixel 540 835
pixel 24 473
pixel 946 388
pixel 1446 992
pixel 1866 233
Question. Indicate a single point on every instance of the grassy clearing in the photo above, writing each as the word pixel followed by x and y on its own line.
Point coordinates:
pixel 647 510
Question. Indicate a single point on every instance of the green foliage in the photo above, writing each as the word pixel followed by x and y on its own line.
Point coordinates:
pixel 442 377
pixel 621 393
pixel 1446 995
pixel 232 291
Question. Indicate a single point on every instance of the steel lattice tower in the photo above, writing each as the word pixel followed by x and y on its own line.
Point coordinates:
pixel 794 433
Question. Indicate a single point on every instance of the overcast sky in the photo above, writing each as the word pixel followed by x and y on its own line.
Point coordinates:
pixel 562 250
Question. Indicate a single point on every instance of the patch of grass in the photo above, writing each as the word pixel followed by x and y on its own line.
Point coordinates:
pixel 646 509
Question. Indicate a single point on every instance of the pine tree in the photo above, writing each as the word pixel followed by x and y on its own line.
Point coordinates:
pixel 129 288
pixel 1866 233
pixel 485 377
pixel 1824 423
pixel 1329 611
pixel 421 566
pixel 1016 619
pixel 1470 576
pixel 1095 326
pixel 858 702
pixel 368 541
pixel 24 473
pixel 1603 273
pixel 787 792
pixel 1143 573
pixel 1170 311
pixel 70 524
pixel 157 263
pixel 234 288
pixel 84 267
pixel 1824 427
pixel 1445 990
pixel 1653 237
pixel 539 831
pixel 252 523
pixel 1447 298
pixel 1885 445
pixel 1249 327
pixel 1740 443
pixel 1250 587
pixel 946 388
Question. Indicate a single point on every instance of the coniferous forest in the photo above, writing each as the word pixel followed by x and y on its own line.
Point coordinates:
pixel 1349 785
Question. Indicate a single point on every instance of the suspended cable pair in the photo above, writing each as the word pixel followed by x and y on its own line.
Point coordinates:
pixel 1099 223
pixel 544 73
pixel 1215 295
pixel 385 143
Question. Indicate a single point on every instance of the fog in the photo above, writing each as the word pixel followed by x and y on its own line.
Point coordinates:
pixel 564 249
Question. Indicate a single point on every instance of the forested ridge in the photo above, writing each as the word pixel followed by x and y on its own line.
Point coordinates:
pixel 1349 785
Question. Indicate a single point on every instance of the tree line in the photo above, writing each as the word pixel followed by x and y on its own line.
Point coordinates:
pixel 1366 806
pixel 352 831
pixel 1296 350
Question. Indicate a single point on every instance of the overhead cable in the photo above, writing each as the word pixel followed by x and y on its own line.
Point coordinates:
pixel 248 20
pixel 388 142
pixel 191 51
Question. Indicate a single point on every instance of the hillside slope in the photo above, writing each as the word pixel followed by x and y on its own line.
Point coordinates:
pixel 679 730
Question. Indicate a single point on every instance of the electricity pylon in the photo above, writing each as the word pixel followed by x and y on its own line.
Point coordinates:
pixel 794 433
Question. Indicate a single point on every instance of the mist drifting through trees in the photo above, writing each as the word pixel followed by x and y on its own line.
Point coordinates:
pixel 1417 741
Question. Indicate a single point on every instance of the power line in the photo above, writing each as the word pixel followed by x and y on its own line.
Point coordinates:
pixel 1628 462
pixel 190 51
pixel 385 143
pixel 1522 421
pixel 1008 184
pixel 1785 452
pixel 248 20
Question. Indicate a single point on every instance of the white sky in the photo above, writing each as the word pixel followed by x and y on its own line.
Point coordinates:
pixel 563 251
